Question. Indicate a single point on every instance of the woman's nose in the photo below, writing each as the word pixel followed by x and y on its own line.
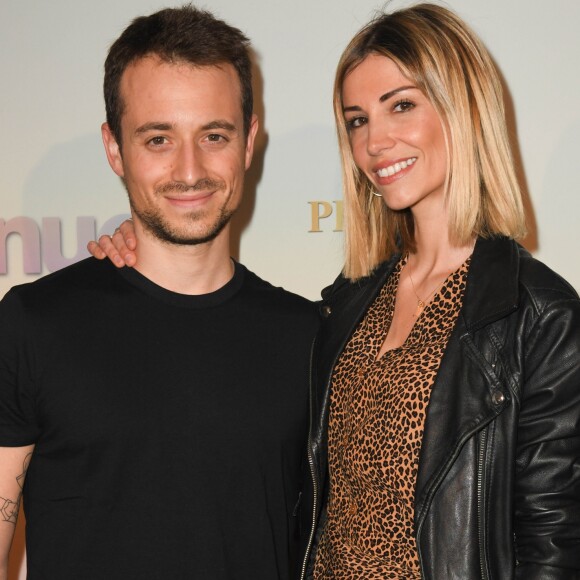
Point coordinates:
pixel 380 138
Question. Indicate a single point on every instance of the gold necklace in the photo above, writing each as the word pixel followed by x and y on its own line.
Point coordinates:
pixel 421 303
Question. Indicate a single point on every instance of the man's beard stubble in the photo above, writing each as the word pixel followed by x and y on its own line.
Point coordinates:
pixel 156 224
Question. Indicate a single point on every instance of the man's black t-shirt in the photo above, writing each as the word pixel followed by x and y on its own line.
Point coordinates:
pixel 169 429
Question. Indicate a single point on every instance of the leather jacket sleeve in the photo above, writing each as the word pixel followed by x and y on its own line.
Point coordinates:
pixel 547 470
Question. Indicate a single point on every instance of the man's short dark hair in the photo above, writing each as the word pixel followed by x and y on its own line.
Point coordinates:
pixel 177 35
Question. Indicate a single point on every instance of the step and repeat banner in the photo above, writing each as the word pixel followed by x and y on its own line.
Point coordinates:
pixel 57 191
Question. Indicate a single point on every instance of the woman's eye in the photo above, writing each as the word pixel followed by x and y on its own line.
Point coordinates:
pixel 355 122
pixel 403 106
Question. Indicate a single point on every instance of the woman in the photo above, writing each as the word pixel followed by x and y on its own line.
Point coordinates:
pixel 445 439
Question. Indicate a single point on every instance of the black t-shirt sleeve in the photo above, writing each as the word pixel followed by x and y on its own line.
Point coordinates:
pixel 17 420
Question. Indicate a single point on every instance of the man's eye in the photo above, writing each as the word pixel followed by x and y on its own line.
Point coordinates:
pixel 157 141
pixel 355 122
pixel 215 138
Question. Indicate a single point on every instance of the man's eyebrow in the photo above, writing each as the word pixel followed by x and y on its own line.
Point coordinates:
pixel 382 98
pixel 220 124
pixel 158 126
pixel 154 126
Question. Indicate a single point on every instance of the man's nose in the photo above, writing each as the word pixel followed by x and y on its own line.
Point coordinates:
pixel 187 165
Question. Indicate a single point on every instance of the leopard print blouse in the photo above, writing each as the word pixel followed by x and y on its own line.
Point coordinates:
pixel 377 415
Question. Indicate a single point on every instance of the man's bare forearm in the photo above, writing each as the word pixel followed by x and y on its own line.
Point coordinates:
pixel 9 510
pixel 11 487
pixel 9 507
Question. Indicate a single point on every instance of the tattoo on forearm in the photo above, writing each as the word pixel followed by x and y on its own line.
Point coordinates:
pixel 26 463
pixel 9 508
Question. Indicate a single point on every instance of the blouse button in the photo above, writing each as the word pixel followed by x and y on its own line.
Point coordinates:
pixel 353 508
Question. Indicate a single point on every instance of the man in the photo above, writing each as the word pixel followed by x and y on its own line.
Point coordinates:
pixel 159 413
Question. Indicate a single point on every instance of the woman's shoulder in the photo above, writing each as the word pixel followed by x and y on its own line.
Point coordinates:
pixel 540 282
pixel 504 276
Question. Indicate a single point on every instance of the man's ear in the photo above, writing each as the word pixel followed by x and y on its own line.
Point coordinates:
pixel 250 140
pixel 112 150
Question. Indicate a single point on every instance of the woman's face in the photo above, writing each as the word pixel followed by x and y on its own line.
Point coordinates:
pixel 396 136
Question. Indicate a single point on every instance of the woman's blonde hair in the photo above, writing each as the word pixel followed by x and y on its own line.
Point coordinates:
pixel 444 58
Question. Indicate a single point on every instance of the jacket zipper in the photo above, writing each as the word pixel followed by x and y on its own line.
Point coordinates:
pixel 481 503
pixel 481 456
pixel 314 478
pixel 310 458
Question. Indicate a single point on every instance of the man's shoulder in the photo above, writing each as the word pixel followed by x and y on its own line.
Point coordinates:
pixel 83 279
pixel 255 283
pixel 267 295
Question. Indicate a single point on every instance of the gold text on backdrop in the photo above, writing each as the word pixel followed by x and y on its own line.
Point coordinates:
pixel 321 210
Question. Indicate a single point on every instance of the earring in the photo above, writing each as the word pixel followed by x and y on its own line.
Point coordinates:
pixel 376 193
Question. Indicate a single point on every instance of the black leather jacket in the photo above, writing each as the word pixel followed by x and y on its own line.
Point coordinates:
pixel 498 486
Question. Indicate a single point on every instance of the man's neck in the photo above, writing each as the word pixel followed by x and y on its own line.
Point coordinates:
pixel 194 270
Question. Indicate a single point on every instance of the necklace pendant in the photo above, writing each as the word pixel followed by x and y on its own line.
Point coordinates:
pixel 420 304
